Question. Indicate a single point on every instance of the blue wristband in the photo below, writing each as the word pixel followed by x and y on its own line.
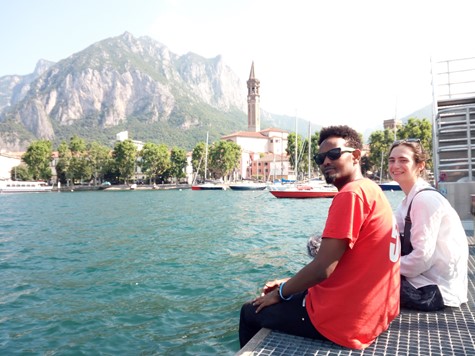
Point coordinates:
pixel 281 295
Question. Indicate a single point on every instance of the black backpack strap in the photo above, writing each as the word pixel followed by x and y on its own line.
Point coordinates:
pixel 406 246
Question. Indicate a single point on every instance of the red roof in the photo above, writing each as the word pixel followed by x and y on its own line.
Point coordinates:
pixel 273 129
pixel 253 134
pixel 245 134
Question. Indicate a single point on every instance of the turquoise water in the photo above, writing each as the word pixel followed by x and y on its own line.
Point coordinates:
pixel 143 272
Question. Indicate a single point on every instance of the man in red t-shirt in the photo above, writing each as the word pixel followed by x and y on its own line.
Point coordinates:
pixel 349 293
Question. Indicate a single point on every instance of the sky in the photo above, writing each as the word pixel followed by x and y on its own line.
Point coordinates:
pixel 330 62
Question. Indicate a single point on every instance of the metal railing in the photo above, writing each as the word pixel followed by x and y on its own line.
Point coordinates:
pixel 453 83
pixel 454 79
pixel 454 142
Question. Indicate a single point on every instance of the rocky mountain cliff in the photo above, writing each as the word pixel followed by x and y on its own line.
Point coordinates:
pixel 123 83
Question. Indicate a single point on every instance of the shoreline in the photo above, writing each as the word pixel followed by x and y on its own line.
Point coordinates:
pixel 121 187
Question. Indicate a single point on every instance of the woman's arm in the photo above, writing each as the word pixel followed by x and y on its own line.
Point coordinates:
pixel 426 217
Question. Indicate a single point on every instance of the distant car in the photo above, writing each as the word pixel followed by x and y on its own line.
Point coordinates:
pixel 106 183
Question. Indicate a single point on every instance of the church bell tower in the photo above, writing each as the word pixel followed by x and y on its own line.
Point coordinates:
pixel 253 103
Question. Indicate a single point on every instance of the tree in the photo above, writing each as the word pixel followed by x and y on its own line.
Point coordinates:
pixel 380 142
pixel 77 144
pixel 78 160
pixel 64 162
pixel 421 129
pixel 79 166
pixel 223 158
pixel 99 158
pixel 303 165
pixel 155 160
pixel 178 163
pixel 20 172
pixel 125 155
pixel 302 149
pixel 198 159
pixel 38 159
pixel 314 139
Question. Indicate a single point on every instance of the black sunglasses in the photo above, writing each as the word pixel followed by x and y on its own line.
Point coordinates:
pixel 406 140
pixel 333 154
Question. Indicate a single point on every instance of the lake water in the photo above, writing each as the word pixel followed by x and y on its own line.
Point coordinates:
pixel 143 272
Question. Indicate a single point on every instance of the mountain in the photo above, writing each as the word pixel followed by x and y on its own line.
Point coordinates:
pixel 425 112
pixel 422 113
pixel 125 83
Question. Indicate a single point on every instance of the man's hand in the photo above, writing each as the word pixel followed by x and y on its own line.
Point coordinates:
pixel 272 285
pixel 270 298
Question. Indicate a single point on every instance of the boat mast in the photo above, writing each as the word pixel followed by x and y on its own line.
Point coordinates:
pixel 309 146
pixel 197 171
pixel 206 155
pixel 296 151
pixel 282 155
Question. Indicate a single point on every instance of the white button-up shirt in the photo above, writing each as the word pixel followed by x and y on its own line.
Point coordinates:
pixel 440 246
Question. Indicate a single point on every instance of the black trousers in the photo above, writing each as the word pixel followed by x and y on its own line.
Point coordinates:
pixel 287 316
pixel 426 298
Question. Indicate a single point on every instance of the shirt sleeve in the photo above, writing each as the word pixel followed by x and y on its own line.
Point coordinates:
pixel 345 217
pixel 426 219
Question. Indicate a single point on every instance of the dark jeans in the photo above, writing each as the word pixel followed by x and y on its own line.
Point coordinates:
pixel 287 316
pixel 426 298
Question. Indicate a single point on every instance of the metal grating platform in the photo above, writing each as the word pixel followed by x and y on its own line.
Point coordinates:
pixel 448 332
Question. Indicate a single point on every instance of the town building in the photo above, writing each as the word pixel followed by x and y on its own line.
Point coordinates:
pixel 263 152
pixel 138 175
pixel 392 124
pixel 124 135
pixel 8 161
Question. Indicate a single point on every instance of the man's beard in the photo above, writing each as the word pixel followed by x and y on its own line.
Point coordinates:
pixel 329 178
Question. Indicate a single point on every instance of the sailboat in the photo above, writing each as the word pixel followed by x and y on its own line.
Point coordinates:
pixel 207 185
pixel 314 188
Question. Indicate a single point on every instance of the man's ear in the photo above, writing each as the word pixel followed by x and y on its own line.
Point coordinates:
pixel 356 155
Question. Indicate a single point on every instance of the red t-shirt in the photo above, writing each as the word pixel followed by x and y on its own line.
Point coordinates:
pixel 361 297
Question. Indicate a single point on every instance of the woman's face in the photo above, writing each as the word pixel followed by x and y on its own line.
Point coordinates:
pixel 402 167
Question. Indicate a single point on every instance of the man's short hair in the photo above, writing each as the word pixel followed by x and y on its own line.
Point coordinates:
pixel 353 138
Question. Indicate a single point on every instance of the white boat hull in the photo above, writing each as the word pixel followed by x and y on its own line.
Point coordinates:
pixel 24 187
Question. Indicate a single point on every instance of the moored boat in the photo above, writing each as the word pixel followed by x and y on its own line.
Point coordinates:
pixel 248 186
pixel 313 189
pixel 208 186
pixel 11 186
pixel 390 186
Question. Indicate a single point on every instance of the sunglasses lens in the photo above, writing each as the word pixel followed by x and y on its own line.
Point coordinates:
pixel 318 159
pixel 333 154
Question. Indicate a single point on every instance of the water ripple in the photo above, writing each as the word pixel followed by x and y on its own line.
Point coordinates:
pixel 142 273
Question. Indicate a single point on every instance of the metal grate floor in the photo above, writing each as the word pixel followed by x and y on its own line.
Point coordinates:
pixel 447 332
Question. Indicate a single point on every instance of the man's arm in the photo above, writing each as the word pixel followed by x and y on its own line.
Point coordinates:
pixel 321 267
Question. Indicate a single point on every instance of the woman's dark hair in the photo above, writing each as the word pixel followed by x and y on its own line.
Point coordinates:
pixel 352 137
pixel 415 145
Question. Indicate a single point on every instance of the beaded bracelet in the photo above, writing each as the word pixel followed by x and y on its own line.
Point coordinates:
pixel 281 295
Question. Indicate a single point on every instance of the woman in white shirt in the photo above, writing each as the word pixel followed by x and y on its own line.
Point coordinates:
pixel 434 273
